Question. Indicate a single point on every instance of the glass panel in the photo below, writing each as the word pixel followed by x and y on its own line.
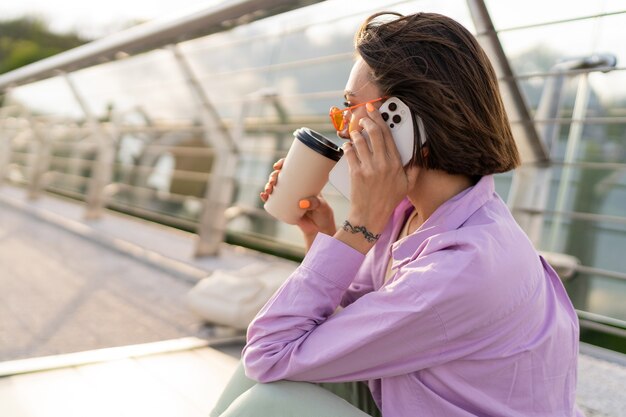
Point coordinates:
pixel 506 14
pixel 598 294
pixel 47 97
pixel 591 190
pixel 73 156
pixel 610 34
pixel 597 142
pixel 602 137
pixel 609 97
pixel 545 45
pixel 165 174
pixel 503 184
pixel 150 84
pixel 596 243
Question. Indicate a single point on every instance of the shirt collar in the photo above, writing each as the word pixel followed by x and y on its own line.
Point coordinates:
pixel 449 216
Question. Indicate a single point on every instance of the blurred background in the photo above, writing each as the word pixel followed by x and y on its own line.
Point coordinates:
pixel 173 113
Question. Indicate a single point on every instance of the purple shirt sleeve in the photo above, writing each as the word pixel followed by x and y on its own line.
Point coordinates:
pixel 387 332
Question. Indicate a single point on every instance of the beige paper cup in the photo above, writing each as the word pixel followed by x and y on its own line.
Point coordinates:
pixel 304 174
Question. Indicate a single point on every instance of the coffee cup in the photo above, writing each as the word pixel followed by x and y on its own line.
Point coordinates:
pixel 304 174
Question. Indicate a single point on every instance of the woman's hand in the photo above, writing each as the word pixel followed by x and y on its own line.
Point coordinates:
pixel 378 179
pixel 319 216
pixel 271 182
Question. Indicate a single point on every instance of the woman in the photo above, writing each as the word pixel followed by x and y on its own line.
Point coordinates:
pixel 447 309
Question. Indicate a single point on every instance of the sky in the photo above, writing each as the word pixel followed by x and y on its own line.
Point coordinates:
pixel 95 19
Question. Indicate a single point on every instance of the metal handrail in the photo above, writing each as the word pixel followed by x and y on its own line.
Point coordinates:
pixel 585 120
pixel 599 271
pixel 192 151
pixel 175 173
pixel 68 159
pixel 72 177
pixel 569 73
pixel 611 321
pixel 301 28
pixel 167 195
pixel 151 35
pixel 575 215
pixel 159 216
pixel 617 166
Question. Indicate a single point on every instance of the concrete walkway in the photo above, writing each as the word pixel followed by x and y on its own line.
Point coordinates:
pixel 62 293
pixel 68 285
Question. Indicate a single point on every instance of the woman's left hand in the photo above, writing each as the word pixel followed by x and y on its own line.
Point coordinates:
pixel 378 180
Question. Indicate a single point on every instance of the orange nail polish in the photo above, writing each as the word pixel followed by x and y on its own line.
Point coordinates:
pixel 304 204
pixel 369 107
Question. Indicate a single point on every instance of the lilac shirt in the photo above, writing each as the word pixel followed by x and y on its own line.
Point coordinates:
pixel 473 322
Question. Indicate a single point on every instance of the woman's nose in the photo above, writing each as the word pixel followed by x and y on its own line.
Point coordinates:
pixel 345 133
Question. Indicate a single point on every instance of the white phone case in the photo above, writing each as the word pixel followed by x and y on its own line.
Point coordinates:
pixel 399 118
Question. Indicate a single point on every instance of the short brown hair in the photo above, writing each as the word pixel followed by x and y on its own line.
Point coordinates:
pixel 437 67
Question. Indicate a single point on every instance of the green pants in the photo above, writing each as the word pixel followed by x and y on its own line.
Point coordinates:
pixel 244 397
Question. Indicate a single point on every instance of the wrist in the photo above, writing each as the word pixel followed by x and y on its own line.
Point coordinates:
pixel 373 224
pixel 357 236
pixel 359 229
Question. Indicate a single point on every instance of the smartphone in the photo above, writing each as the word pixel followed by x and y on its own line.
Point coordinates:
pixel 403 125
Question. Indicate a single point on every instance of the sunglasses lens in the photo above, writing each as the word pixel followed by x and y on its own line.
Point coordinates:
pixel 336 115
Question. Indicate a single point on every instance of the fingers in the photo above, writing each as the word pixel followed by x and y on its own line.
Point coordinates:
pixel 265 194
pixel 350 154
pixel 376 131
pixel 278 165
pixel 310 203
pixel 272 180
pixel 360 146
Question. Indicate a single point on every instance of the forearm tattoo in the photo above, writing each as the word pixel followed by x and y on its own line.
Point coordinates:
pixel 369 236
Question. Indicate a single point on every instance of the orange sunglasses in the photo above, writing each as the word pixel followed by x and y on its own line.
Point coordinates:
pixel 338 116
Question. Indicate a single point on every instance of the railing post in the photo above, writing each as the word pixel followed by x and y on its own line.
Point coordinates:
pixel 531 183
pixel 221 186
pixel 212 228
pixel 5 145
pixel 5 156
pixel 103 166
pixel 40 162
pixel 531 148
pixel 571 151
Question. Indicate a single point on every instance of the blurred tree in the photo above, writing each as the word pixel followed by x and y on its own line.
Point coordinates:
pixel 28 39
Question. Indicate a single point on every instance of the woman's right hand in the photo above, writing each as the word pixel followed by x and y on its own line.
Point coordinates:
pixel 319 216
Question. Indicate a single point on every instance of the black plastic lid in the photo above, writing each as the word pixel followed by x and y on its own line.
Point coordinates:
pixel 318 143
